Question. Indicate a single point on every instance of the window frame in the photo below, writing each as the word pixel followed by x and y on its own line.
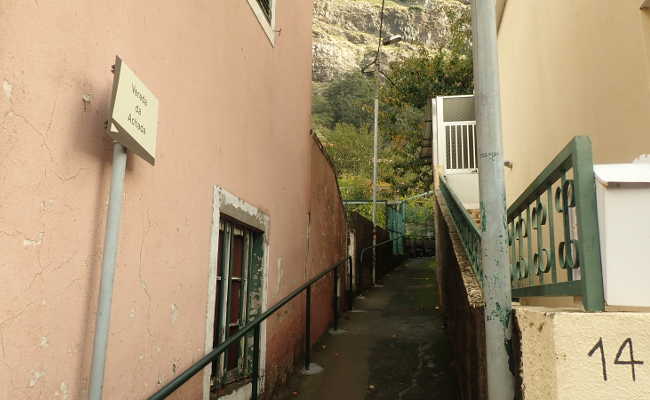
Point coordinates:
pixel 229 231
pixel 267 26
pixel 228 207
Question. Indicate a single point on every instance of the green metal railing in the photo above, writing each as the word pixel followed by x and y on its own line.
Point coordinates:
pixel 470 235
pixel 396 225
pixel 554 223
pixel 362 253
pixel 254 326
pixel 553 235
pixel 365 249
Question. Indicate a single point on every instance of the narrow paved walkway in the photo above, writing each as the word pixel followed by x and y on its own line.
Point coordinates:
pixel 394 347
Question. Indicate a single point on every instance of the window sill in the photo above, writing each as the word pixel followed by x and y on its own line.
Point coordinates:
pixel 233 387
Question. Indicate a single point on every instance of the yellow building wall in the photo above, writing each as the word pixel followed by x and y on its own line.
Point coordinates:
pixel 567 355
pixel 570 68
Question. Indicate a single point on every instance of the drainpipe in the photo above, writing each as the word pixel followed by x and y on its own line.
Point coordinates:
pixel 494 245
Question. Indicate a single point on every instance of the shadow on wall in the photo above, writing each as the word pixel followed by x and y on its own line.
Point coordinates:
pixel 91 140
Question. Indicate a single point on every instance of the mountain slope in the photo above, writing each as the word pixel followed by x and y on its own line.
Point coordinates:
pixel 345 31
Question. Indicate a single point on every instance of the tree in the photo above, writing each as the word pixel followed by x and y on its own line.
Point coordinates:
pixel 414 80
pixel 343 115
pixel 435 72
pixel 355 187
pixel 409 85
pixel 349 147
pixel 400 164
pixel 345 100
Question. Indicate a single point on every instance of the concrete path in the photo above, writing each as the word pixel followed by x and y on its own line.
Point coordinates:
pixel 394 347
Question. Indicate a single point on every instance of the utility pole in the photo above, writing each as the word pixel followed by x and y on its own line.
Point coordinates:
pixel 494 246
pixel 391 40
pixel 374 167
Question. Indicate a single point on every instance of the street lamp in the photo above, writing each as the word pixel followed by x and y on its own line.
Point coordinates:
pixel 393 39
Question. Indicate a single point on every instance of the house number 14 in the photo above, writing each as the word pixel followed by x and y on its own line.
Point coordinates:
pixel 627 343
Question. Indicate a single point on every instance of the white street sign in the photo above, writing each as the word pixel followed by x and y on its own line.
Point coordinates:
pixel 134 113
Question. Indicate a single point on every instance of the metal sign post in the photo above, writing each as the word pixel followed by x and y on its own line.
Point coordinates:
pixel 108 273
pixel 133 123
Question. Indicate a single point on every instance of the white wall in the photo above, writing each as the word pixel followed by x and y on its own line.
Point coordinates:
pixel 466 188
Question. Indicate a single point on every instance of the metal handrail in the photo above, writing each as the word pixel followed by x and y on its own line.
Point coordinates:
pixel 363 251
pixel 470 235
pixel 361 254
pixel 254 325
pixel 457 201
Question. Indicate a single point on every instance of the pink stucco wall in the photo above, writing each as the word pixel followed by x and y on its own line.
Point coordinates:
pixel 327 245
pixel 328 238
pixel 234 112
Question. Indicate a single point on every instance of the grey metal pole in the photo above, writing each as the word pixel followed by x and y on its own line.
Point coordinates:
pixel 376 134
pixel 374 179
pixel 402 227
pixel 374 167
pixel 108 273
pixel 494 246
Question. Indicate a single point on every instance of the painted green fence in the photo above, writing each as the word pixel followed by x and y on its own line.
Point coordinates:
pixel 395 225
pixel 469 233
pixel 553 231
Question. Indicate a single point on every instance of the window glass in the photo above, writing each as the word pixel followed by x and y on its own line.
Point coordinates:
pixel 265 5
pixel 238 273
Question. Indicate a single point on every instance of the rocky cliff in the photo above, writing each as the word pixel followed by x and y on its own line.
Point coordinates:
pixel 345 32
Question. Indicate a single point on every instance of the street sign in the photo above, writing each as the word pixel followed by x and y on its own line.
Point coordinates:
pixel 134 113
pixel 133 126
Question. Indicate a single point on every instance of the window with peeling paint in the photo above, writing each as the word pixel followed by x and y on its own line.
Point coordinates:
pixel 239 274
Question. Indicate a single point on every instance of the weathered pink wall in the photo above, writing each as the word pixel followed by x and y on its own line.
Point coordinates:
pixel 328 238
pixel 234 111
pixel 327 245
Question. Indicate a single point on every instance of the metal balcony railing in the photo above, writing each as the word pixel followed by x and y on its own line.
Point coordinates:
pixel 553 231
pixel 461 147
pixel 470 235
pixel 553 239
